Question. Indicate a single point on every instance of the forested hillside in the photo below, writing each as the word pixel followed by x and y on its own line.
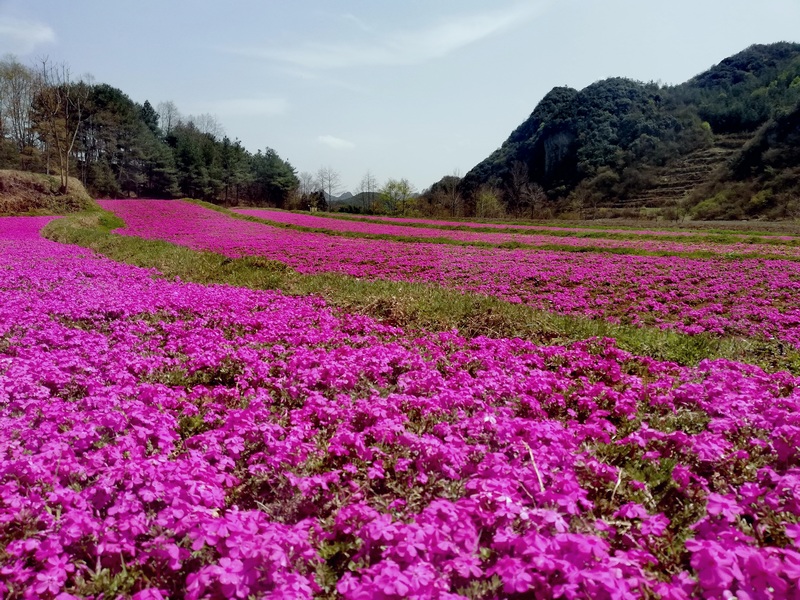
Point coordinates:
pixel 721 145
pixel 52 123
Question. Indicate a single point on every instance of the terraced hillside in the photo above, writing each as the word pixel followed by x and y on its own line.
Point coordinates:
pixel 679 178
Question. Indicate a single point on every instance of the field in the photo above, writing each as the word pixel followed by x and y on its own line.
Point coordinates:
pixel 172 427
pixel 743 297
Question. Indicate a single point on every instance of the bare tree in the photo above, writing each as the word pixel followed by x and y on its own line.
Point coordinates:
pixel 59 103
pixel 329 181
pixel 306 183
pixel 16 99
pixel 368 189
pixel 207 123
pixel 454 199
pixel 526 195
pixel 168 116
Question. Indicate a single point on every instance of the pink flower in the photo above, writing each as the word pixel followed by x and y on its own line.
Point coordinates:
pixel 723 505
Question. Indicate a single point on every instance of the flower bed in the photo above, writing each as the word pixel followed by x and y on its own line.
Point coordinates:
pixel 752 297
pixel 522 236
pixel 564 229
pixel 169 439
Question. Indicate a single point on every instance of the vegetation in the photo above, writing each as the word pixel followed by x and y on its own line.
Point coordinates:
pixel 24 193
pixel 51 123
pixel 622 144
pixel 410 305
pixel 763 180
pixel 720 146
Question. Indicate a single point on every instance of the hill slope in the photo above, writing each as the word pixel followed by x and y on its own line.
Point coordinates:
pixel 31 193
pixel 621 143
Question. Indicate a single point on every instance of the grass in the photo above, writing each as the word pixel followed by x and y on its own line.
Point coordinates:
pixel 517 244
pixel 414 306
pixel 23 193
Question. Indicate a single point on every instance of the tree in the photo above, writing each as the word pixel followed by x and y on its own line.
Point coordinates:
pixel 328 181
pixel 445 195
pixel 168 116
pixel 149 116
pixel 207 124
pixel 59 105
pixel 17 88
pixel 368 189
pixel 305 183
pixel 526 196
pixel 315 201
pixel 193 153
pixel 118 151
pixel 274 179
pixel 487 203
pixel 235 168
pixel 395 196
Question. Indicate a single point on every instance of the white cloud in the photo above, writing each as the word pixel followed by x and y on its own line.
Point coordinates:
pixel 247 107
pixel 402 47
pixel 359 23
pixel 23 37
pixel 335 142
pixel 314 76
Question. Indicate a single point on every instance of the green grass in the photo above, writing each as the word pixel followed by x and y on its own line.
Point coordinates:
pixel 411 306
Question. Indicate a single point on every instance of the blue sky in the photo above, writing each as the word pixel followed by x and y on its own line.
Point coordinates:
pixel 416 89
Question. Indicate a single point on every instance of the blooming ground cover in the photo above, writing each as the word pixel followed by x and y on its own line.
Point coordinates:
pixel 553 228
pixel 522 237
pixel 752 297
pixel 159 438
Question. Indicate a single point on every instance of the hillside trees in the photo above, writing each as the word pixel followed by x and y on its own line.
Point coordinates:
pixel 609 142
pixel 115 146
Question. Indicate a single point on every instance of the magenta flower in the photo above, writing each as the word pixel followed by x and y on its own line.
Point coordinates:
pixel 723 505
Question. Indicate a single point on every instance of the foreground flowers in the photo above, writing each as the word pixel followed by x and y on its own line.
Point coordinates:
pixel 168 439
pixel 743 297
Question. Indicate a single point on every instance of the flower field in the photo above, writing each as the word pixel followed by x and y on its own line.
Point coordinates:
pixel 166 439
pixel 752 297
pixel 528 238
pixel 557 229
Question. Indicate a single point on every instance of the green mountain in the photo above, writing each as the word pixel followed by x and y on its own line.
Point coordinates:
pixel 721 145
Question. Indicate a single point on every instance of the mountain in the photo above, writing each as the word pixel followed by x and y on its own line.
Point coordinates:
pixel 341 199
pixel 622 145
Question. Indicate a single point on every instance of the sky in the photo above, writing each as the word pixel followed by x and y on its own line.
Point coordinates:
pixel 417 89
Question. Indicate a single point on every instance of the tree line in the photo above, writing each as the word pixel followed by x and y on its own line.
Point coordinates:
pixel 56 123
